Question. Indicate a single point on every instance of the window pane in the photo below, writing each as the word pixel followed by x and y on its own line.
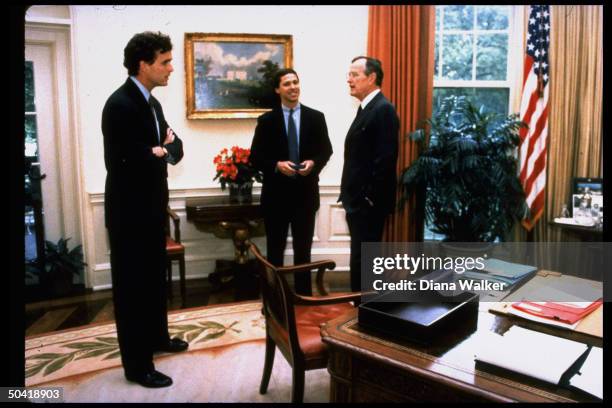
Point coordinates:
pixel 441 93
pixel 437 18
pixel 29 87
pixel 493 99
pixel 31 144
pixel 437 57
pixel 492 18
pixel 457 54
pixel 458 17
pixel 491 56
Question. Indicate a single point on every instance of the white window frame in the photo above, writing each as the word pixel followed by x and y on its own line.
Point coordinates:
pixel 514 59
pixel 514 73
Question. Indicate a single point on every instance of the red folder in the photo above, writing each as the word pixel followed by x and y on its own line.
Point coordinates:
pixel 558 311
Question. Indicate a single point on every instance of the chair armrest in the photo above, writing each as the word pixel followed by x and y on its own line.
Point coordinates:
pixel 176 220
pixel 319 281
pixel 325 300
pixel 327 264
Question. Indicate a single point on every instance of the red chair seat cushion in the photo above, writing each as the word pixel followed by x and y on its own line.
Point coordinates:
pixel 172 247
pixel 309 320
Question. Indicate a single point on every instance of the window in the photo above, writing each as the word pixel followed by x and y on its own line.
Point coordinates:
pixel 471 55
pixel 31 157
pixel 476 56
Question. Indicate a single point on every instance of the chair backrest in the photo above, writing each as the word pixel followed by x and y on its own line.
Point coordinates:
pixel 277 297
pixel 167 222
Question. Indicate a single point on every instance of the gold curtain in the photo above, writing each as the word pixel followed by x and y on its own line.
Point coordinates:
pixel 402 37
pixel 576 99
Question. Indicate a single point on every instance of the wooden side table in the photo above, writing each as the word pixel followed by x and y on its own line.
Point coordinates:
pixel 239 222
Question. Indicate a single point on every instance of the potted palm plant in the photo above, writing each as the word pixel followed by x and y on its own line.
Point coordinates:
pixel 468 172
pixel 56 270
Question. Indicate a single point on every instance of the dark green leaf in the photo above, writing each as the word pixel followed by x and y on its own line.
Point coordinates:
pixel 116 354
pixel 95 353
pixel 108 340
pixel 211 336
pixel 35 369
pixel 58 364
pixel 85 345
pixel 44 356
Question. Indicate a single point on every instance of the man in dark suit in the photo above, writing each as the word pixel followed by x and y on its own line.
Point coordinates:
pixel 290 147
pixel 367 190
pixel 138 144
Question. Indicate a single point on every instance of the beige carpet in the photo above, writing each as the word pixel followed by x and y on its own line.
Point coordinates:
pixel 224 362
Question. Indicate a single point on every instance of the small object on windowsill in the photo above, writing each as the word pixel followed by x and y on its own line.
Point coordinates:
pixel 580 221
pixel 565 212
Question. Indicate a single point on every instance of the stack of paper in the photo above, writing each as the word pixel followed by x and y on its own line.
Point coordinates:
pixel 564 312
pixel 531 353
pixel 590 376
pixel 496 270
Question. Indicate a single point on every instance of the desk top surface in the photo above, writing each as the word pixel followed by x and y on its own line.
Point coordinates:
pixel 449 359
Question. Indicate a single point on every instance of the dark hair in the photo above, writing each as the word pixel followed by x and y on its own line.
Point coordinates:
pixel 281 73
pixel 143 47
pixel 372 65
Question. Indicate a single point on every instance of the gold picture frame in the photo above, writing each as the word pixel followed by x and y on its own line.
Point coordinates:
pixel 225 74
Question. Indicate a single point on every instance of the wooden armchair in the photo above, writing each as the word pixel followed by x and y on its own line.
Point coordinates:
pixel 176 252
pixel 293 321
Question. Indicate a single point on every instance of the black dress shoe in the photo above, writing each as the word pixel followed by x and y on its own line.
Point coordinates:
pixel 151 379
pixel 173 346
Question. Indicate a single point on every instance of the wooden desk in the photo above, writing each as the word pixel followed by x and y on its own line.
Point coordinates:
pixel 366 366
pixel 218 216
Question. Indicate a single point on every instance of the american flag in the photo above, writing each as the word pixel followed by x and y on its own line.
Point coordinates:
pixel 534 112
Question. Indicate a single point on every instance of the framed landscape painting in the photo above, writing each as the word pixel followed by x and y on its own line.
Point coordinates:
pixel 231 75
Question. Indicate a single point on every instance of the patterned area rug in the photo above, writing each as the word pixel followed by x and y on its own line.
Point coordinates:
pixel 223 364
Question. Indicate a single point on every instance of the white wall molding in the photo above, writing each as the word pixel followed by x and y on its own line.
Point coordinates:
pixel 203 249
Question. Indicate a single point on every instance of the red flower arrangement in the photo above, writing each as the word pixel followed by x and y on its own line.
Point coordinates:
pixel 235 167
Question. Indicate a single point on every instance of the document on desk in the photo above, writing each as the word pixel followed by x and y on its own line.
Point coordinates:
pixel 510 270
pixel 590 376
pixel 542 320
pixel 531 353
pixel 566 312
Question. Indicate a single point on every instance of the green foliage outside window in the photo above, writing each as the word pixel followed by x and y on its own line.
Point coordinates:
pixel 471 45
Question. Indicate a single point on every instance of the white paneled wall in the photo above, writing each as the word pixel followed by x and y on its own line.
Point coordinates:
pixel 331 240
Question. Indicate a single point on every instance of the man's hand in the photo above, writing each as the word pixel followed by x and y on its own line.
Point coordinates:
pixel 285 167
pixel 307 166
pixel 158 151
pixel 169 136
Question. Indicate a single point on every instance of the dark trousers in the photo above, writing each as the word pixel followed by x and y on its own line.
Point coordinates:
pixel 365 225
pixel 302 229
pixel 138 262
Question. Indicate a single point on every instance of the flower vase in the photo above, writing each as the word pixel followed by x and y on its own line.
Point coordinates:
pixel 241 193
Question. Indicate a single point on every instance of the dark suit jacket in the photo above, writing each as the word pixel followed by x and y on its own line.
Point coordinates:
pixel 136 181
pixel 270 145
pixel 370 157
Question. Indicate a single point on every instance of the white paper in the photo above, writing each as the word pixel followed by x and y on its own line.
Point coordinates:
pixel 590 377
pixel 531 353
